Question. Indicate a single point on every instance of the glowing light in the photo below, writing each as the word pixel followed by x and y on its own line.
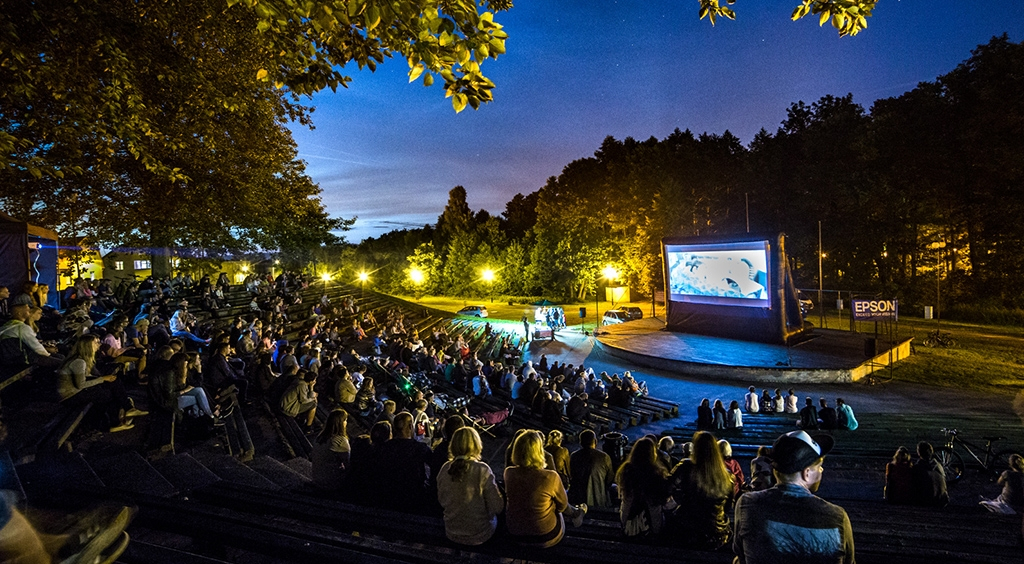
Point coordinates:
pixel 610 273
pixel 488 275
pixel 245 268
pixel 363 277
pixel 416 275
pixel 326 277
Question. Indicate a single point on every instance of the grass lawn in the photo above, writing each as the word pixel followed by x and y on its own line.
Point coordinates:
pixel 987 358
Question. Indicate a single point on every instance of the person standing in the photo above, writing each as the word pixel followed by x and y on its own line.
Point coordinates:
pixel 526 328
pixel 591 473
pixel 788 523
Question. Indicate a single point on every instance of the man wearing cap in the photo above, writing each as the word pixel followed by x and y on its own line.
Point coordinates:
pixel 788 523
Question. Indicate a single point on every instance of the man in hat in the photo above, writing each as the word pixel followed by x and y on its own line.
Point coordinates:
pixel 788 523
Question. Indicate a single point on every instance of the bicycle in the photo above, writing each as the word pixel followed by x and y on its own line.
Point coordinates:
pixel 939 339
pixel 953 463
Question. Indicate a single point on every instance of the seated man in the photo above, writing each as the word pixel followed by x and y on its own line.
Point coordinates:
pixel 808 416
pixel 828 416
pixel 19 346
pixel 577 409
pixel 928 478
pixel 591 473
pixel 788 523
pixel 404 462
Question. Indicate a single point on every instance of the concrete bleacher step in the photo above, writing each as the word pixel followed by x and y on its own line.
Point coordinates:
pixel 301 466
pixel 231 469
pixel 278 472
pixel 143 552
pixel 185 472
pixel 48 476
pixel 130 471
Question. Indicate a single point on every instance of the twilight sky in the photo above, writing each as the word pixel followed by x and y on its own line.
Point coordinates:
pixel 577 71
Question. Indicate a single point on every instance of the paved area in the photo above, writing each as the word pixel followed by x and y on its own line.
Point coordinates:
pixel 890 396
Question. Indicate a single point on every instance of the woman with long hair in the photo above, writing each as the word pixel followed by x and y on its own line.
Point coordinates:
pixel 560 454
pixel 1011 499
pixel 467 491
pixel 899 484
pixel 643 490
pixel 331 452
pixel 719 415
pixel 701 486
pixel 536 497
pixel 77 385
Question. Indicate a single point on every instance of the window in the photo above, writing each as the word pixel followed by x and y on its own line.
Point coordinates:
pixel 119 265
pixel 142 265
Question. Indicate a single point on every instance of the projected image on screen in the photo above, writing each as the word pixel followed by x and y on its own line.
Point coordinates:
pixel 725 274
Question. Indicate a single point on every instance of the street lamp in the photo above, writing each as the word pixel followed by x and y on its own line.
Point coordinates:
pixel 326 277
pixel 609 273
pixel 363 277
pixel 488 276
pixel 416 275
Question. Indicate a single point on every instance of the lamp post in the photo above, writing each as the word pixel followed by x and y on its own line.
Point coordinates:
pixel 610 274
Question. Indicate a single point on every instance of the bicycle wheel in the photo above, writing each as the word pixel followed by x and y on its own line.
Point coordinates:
pixel 951 463
pixel 1000 462
pixel 929 342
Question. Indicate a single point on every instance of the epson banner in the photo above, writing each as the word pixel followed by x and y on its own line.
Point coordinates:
pixel 875 310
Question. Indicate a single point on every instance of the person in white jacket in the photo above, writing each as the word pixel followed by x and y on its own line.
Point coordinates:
pixel 468 492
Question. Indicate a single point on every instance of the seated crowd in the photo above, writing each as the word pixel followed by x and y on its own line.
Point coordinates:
pixel 810 417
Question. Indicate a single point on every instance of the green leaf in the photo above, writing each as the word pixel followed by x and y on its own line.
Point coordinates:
pixel 428 79
pixel 459 102
pixel 416 71
pixel 823 18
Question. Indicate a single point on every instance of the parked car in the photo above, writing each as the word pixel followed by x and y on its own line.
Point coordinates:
pixel 806 305
pixel 614 316
pixel 473 311
pixel 632 312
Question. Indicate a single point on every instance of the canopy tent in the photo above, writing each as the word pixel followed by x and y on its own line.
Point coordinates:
pixel 27 253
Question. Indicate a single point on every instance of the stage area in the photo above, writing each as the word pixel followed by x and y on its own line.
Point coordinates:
pixel 828 356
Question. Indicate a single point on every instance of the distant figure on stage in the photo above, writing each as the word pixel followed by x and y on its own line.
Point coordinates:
pixel 526 328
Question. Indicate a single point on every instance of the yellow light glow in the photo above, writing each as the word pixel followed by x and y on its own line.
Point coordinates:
pixel 416 276
pixel 363 277
pixel 245 268
pixel 610 273
pixel 326 277
pixel 488 275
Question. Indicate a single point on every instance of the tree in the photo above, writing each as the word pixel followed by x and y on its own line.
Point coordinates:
pixel 168 118
pixel 850 17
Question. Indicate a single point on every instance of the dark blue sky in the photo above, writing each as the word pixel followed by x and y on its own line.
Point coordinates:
pixel 577 71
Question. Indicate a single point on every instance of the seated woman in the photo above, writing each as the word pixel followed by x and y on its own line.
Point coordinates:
pixel 643 490
pixel 467 491
pixel 1011 500
pixel 705 416
pixel 720 415
pixel 734 417
pixel 536 498
pixel 761 475
pixel 560 454
pixel 899 485
pixel 733 466
pixel 77 385
pixel 331 452
pixel 702 486
pixel 366 398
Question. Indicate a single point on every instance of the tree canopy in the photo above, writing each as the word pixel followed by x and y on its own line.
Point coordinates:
pixel 850 17
pixel 163 123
